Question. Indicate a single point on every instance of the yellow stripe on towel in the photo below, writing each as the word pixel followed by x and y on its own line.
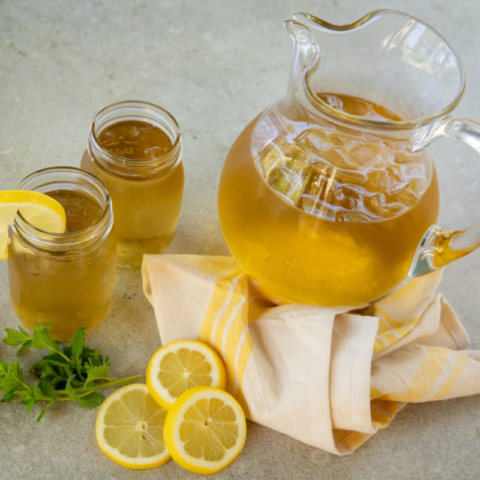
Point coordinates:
pixel 431 367
pixel 390 330
pixel 225 327
pixel 452 378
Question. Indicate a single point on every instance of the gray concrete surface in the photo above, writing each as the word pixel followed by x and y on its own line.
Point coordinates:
pixel 214 65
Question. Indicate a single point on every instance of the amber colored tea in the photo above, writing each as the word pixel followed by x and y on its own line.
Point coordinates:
pixel 325 214
pixel 146 200
pixel 135 140
pixel 65 291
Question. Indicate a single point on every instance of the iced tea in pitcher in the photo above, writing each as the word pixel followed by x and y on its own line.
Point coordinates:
pixel 323 214
pixel 330 197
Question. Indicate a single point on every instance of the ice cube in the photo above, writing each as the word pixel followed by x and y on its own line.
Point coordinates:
pixel 276 154
pixel 108 139
pixel 287 168
pixel 365 155
pixel 415 170
pixel 290 179
pixel 377 181
pixel 410 195
pixel 314 139
pixel 340 140
pixel 404 157
pixel 320 193
pixel 350 177
pixel 348 196
pixel 337 158
pixel 379 208
pixel 132 135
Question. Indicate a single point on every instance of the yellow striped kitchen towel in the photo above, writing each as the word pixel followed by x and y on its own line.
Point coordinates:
pixel 329 377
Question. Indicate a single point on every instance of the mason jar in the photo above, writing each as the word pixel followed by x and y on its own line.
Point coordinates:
pixel 146 192
pixel 65 280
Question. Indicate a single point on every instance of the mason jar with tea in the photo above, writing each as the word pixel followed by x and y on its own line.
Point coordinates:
pixel 135 148
pixel 64 280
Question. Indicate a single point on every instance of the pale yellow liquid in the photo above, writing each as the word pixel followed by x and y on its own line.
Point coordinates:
pixel 333 220
pixel 65 292
pixel 145 209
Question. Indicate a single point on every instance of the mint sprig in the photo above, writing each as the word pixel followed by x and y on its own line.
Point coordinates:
pixel 72 373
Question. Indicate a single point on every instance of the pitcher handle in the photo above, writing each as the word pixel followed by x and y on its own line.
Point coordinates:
pixel 439 247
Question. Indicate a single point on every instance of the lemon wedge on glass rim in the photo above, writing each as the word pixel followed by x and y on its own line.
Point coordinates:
pixel 129 428
pixel 181 365
pixel 39 209
pixel 205 430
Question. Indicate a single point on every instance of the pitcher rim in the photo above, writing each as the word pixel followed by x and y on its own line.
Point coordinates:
pixel 353 119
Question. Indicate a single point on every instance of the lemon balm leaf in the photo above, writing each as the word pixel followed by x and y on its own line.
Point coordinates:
pixel 71 374
pixel 42 339
pixel 44 410
pixel 29 399
pixel 78 342
pixel 97 373
pixel 47 389
pixel 15 338
pixel 91 400
pixel 3 369
pixel 70 391
pixel 13 380
pixel 25 346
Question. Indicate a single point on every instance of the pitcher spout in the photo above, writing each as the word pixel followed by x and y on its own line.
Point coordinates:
pixel 387 57
pixel 306 55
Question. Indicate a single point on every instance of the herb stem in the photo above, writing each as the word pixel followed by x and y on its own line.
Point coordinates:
pixel 102 385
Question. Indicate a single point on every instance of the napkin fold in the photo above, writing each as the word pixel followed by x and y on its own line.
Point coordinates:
pixel 329 377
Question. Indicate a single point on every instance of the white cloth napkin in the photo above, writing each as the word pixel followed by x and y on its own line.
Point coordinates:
pixel 329 377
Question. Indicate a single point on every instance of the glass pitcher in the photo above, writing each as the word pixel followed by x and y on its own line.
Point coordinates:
pixel 330 197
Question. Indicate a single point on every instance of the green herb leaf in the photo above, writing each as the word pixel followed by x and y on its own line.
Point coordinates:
pixel 91 400
pixel 78 342
pixel 70 391
pixel 26 346
pixel 43 340
pixel 44 410
pixel 10 396
pixel 97 373
pixel 3 369
pixel 13 380
pixel 39 396
pixel 29 399
pixel 47 389
pixel 73 373
pixel 15 338
pixel 92 357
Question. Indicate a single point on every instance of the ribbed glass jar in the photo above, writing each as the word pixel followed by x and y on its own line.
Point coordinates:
pixel 146 193
pixel 65 280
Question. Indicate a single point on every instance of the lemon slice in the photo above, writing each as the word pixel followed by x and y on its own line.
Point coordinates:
pixel 181 365
pixel 40 210
pixel 129 428
pixel 205 430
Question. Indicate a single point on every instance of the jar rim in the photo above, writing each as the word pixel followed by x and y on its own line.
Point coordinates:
pixel 156 109
pixel 80 239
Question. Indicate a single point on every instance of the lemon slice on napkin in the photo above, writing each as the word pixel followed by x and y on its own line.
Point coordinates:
pixel 182 365
pixel 38 209
pixel 205 430
pixel 129 428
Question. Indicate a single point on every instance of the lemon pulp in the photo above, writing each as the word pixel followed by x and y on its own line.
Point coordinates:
pixel 209 429
pixel 130 428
